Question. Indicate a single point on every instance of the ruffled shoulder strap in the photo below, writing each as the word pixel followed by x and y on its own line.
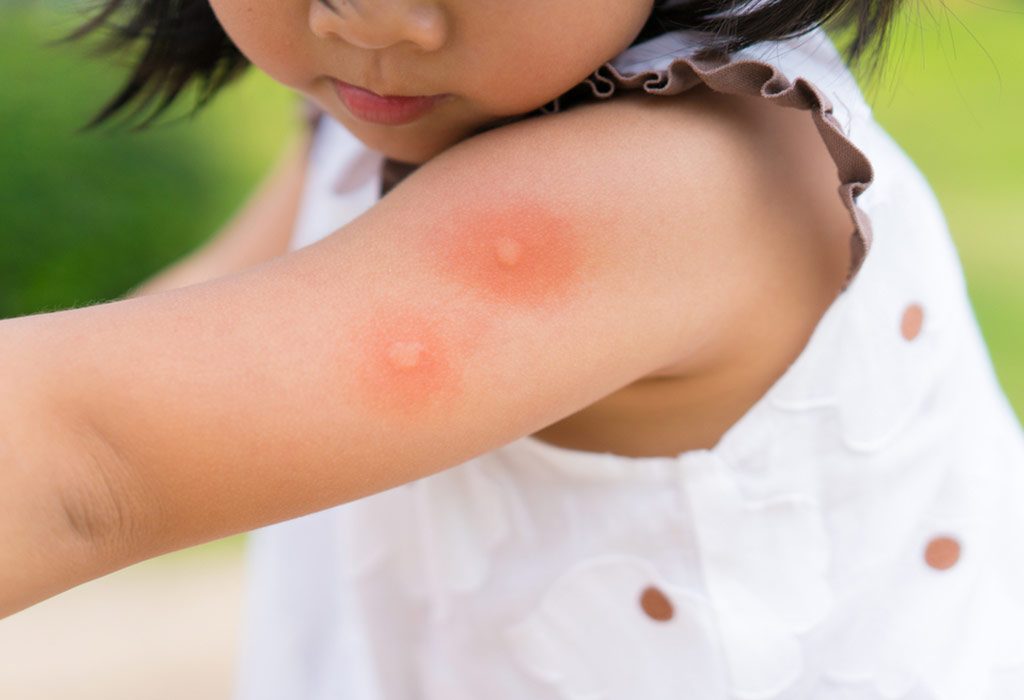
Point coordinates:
pixel 673 63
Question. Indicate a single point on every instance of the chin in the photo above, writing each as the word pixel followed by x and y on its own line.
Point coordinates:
pixel 418 153
pixel 408 147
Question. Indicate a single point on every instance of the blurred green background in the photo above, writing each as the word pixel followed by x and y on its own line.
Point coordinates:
pixel 87 216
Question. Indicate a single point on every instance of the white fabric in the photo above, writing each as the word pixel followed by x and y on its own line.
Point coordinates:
pixel 792 553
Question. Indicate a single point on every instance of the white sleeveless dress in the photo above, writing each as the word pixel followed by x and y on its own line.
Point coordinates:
pixel 856 535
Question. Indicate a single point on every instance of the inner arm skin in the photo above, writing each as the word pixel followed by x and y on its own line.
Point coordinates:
pixel 223 411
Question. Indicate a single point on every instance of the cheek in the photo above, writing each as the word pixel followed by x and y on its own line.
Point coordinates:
pixel 271 35
pixel 546 47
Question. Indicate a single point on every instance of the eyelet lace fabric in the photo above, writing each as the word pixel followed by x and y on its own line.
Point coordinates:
pixel 855 535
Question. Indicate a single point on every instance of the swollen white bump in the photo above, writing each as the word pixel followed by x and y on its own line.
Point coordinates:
pixel 405 354
pixel 508 250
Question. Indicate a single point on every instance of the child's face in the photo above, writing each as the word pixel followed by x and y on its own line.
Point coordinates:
pixel 497 58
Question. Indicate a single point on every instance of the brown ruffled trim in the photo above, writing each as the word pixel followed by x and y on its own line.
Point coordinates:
pixel 758 79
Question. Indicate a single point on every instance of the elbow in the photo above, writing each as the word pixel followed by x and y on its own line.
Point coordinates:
pixel 66 515
pixel 100 503
pixel 69 506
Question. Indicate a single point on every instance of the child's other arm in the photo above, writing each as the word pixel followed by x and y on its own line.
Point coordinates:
pixel 259 231
pixel 507 283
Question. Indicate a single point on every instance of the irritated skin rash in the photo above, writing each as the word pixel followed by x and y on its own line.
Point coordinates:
pixel 513 258
pixel 407 364
pixel 521 256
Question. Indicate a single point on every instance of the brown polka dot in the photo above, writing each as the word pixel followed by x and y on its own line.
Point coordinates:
pixel 942 553
pixel 656 604
pixel 913 317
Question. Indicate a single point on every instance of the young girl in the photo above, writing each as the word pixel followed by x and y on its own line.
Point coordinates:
pixel 592 371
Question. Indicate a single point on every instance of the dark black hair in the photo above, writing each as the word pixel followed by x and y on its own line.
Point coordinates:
pixel 181 43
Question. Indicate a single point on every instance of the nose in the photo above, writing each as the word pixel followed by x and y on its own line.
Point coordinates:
pixel 378 24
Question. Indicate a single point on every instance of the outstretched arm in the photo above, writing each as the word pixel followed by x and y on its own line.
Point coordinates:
pixel 509 282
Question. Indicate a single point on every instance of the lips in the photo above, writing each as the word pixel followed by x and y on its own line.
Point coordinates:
pixel 385 109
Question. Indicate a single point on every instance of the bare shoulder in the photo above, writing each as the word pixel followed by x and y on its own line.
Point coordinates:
pixel 740 198
pixel 738 195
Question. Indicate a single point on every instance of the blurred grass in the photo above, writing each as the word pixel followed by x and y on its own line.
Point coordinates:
pixel 952 95
pixel 86 216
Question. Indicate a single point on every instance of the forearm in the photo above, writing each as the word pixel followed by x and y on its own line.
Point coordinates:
pixel 49 541
pixel 68 505
pixel 136 388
